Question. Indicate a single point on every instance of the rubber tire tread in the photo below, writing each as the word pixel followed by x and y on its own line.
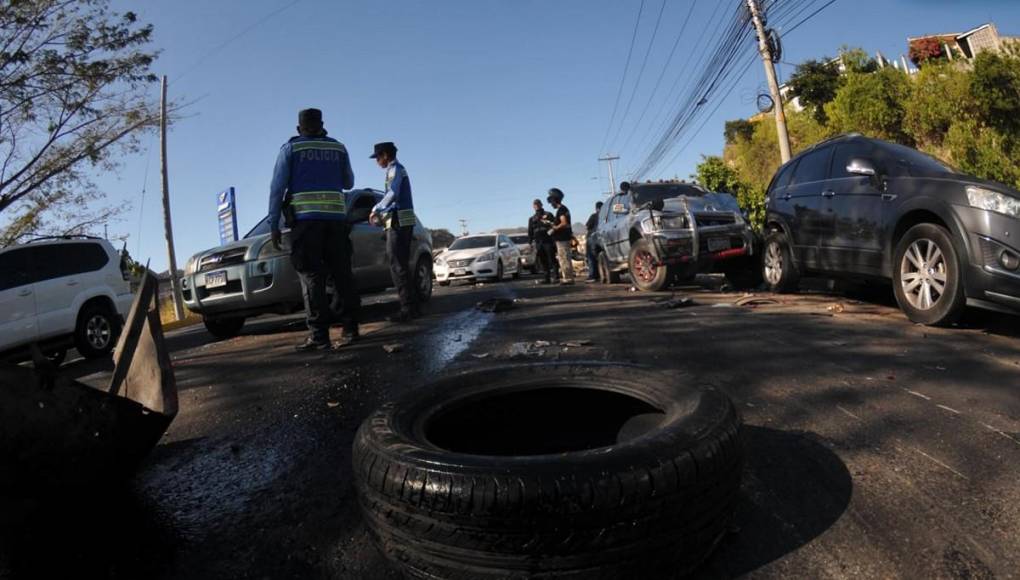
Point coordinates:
pixel 656 519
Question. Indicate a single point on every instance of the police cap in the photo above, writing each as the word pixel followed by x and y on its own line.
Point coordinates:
pixel 309 117
pixel 386 147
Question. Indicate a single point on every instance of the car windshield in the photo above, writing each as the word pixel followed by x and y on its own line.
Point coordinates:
pixel 260 229
pixel 918 164
pixel 520 239
pixel 474 243
pixel 648 192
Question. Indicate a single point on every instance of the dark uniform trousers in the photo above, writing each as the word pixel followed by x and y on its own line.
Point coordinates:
pixel 321 250
pixel 546 255
pixel 398 247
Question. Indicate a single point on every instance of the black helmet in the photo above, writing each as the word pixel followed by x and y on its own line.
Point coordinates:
pixel 625 186
pixel 556 194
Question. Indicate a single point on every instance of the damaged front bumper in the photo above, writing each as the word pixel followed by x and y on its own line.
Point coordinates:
pixel 708 238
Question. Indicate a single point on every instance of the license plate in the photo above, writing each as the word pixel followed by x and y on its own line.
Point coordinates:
pixel 215 279
pixel 459 272
pixel 718 244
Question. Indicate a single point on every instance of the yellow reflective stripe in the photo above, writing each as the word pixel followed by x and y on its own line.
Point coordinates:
pixel 406 217
pixel 320 208
pixel 304 145
pixel 315 195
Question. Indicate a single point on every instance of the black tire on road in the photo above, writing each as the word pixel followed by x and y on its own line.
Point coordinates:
pixel 96 331
pixel 499 271
pixel 423 279
pixel 606 274
pixel 645 272
pixel 928 282
pixel 224 328
pixel 495 474
pixel 779 270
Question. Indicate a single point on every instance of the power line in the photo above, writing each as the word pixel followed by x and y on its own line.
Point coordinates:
pixel 658 82
pixel 216 49
pixel 641 72
pixel 626 67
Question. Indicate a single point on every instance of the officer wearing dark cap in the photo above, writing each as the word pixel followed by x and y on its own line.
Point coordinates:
pixel 562 233
pixel 312 170
pixel 396 209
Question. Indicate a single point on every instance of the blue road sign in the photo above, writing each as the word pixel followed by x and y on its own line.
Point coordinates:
pixel 226 209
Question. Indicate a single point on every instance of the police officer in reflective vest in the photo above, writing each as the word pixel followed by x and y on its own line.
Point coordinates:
pixel 396 209
pixel 312 170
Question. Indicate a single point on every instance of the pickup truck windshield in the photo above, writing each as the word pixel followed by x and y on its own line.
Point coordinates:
pixel 260 229
pixel 473 243
pixel 652 191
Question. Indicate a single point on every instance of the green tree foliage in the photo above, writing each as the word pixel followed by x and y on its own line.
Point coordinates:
pixel 716 175
pixel 940 97
pixel 815 83
pixel 739 128
pixel 73 95
pixel 872 104
pixel 996 91
pixel 984 152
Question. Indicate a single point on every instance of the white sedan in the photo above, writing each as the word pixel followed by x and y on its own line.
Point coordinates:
pixel 480 257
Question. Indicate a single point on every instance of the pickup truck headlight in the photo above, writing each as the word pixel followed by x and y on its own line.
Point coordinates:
pixel 993 201
pixel 487 257
pixel 189 267
pixel 658 223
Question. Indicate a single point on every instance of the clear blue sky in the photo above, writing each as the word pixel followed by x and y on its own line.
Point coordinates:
pixel 491 102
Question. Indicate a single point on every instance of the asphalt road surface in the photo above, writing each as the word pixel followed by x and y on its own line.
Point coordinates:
pixel 875 448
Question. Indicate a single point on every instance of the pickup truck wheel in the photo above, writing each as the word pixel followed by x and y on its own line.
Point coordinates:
pixel 645 271
pixel 224 328
pixel 493 474
pixel 606 274
pixel 96 331
pixel 499 271
pixel 778 268
pixel 926 276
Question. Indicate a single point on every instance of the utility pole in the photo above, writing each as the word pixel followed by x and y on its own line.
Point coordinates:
pixel 463 227
pixel 770 73
pixel 612 178
pixel 175 283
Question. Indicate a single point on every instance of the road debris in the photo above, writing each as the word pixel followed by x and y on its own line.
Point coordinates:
pixel 683 302
pixel 393 348
pixel 837 308
pixel 495 305
pixel 752 301
pixel 529 349
pixel 481 355
pixel 332 404
pixel 576 343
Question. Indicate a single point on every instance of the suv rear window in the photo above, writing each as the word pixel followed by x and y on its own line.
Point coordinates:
pixel 14 269
pixel 813 167
pixel 59 260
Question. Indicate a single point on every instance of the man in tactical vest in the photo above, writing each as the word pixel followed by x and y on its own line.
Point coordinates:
pixel 545 249
pixel 396 210
pixel 312 170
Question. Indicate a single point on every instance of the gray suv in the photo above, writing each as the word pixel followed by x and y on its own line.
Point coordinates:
pixel 233 282
pixel 671 231
pixel 867 209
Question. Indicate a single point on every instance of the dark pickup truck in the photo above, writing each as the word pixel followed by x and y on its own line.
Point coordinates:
pixel 670 232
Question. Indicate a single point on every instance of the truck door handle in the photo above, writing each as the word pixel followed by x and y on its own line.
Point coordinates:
pixel 828 193
pixel 787 197
pixel 888 196
pixel 72 282
pixel 25 292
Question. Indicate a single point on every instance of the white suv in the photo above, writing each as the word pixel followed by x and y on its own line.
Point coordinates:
pixel 59 293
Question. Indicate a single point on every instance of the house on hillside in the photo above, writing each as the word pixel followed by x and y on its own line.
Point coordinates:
pixel 957 45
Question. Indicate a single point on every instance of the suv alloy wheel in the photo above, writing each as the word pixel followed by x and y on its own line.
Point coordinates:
pixel 778 269
pixel 926 276
pixel 96 331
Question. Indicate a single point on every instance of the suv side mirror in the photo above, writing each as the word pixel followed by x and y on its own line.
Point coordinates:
pixel 503 245
pixel 860 166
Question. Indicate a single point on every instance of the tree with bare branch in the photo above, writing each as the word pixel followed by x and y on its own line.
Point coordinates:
pixel 74 98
